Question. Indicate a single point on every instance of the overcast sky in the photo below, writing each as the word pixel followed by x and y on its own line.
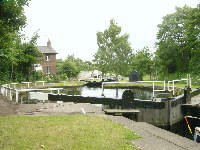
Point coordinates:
pixel 71 25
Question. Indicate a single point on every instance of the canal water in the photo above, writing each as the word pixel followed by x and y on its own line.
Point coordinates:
pixel 115 93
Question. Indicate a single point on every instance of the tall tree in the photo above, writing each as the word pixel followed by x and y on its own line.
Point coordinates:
pixel 114 52
pixel 12 19
pixel 178 39
pixel 70 69
pixel 193 39
pixel 142 61
pixel 16 58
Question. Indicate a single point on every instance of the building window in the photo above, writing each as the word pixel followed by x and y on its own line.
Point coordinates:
pixel 48 70
pixel 47 57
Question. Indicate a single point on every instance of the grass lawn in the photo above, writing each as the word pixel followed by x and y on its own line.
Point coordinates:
pixel 70 132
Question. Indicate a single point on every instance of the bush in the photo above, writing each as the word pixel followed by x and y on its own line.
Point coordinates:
pixel 36 76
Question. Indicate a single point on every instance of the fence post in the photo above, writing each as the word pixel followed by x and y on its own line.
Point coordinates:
pixel 173 87
pixel 153 91
pixel 17 94
pixel 102 89
pixel 187 95
pixel 10 94
pixel 6 90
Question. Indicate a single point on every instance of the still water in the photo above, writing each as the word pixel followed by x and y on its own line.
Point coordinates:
pixel 116 93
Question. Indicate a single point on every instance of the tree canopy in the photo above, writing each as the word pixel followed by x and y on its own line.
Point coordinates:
pixel 179 42
pixel 142 61
pixel 16 57
pixel 114 52
pixel 72 66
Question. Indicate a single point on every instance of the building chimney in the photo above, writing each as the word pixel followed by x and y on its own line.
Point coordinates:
pixel 49 44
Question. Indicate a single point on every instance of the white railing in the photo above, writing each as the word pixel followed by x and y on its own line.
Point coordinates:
pixel 40 82
pixel 173 81
pixel 8 92
pixel 153 85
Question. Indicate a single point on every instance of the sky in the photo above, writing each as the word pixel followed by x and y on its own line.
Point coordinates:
pixel 71 25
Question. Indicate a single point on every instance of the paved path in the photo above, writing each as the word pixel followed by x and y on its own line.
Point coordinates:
pixel 195 100
pixel 58 109
pixel 154 138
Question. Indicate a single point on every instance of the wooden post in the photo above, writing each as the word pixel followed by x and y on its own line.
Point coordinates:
pixel 17 94
pixel 2 90
pixel 173 88
pixel 10 94
pixel 6 90
pixel 187 95
pixel 102 89
pixel 153 91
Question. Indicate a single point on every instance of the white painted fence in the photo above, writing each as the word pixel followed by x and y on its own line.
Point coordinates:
pixel 8 92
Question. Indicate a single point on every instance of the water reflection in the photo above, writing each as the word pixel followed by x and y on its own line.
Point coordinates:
pixel 108 93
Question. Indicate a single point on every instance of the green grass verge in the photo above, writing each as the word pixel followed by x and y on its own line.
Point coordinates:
pixel 71 132
pixel 178 85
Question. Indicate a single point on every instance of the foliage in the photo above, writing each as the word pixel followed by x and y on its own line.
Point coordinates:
pixel 179 42
pixel 26 55
pixel 142 61
pixel 69 132
pixel 70 69
pixel 16 57
pixel 36 76
pixel 59 66
pixel 114 50
pixel 81 65
pixel 12 19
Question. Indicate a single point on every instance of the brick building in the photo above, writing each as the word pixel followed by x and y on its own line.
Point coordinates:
pixel 48 62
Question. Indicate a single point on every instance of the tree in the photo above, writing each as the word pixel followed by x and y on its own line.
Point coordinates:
pixel 80 64
pixel 193 39
pixel 27 54
pixel 142 61
pixel 114 52
pixel 12 19
pixel 178 41
pixel 70 69
pixel 88 66
pixel 16 57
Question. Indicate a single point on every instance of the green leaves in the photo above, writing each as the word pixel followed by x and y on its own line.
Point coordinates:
pixel 16 57
pixel 114 50
pixel 143 62
pixel 72 66
pixel 70 69
pixel 178 41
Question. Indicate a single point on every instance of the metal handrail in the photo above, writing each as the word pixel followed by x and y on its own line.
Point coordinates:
pixel 153 84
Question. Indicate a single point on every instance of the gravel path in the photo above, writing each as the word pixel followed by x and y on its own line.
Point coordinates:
pixel 57 109
pixel 195 100
pixel 10 108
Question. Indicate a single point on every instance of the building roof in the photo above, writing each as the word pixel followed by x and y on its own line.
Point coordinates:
pixel 47 49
